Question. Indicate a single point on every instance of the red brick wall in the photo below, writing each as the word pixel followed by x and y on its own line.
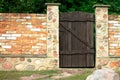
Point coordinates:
pixel 114 35
pixel 22 33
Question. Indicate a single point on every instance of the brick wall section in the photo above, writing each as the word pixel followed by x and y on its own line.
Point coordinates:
pixel 107 35
pixel 114 35
pixel 22 33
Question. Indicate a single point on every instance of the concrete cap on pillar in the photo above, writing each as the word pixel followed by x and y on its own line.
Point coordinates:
pixel 100 5
pixel 52 4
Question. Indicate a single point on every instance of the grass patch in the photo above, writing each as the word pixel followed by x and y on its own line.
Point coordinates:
pixel 15 75
pixel 79 76
pixel 118 71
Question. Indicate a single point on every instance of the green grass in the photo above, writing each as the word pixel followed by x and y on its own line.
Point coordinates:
pixel 15 75
pixel 79 76
pixel 118 71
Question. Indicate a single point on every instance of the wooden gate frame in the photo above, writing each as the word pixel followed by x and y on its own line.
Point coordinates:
pixel 78 17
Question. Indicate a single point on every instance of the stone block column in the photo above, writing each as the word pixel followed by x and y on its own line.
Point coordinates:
pixel 53 30
pixel 101 18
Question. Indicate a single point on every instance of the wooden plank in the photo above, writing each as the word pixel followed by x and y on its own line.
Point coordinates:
pixel 69 37
pixel 76 19
pixel 90 34
pixel 90 60
pixel 78 16
pixel 77 36
pixel 82 61
pixel 78 52
pixel 74 61
pixel 77 41
pixel 69 60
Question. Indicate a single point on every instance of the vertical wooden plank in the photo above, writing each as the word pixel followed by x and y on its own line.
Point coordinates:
pixel 90 35
pixel 69 60
pixel 82 60
pixel 60 60
pixel 90 60
pixel 74 61
pixel 69 37
pixel 69 43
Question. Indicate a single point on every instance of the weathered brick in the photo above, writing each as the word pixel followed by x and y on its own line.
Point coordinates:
pixel 2 50
pixel 6 47
pixel 44 23
pixel 43 38
pixel 29 26
pixel 111 32
pixel 11 38
pixel 117 54
pixel 21 32
pixel 40 44
pixel 117 25
pixel 35 47
pixel 113 44
pixel 116 22
pixel 2 37
pixel 27 23
pixel 9 32
pixel 113 28
pixel 16 35
pixel 116 36
pixel 20 20
pixel 27 17
pixel 7 35
pixel 35 29
pixel 111 17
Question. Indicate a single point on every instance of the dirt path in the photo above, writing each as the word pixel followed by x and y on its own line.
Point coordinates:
pixel 61 74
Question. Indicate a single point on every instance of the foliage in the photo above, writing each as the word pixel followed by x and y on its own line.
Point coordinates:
pixel 15 75
pixel 38 6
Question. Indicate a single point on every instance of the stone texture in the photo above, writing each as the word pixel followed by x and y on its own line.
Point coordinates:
pixel 103 74
pixel 42 68
pixel 19 67
pixel 2 60
pixel 114 64
pixel 30 67
pixel 101 14
pixel 14 60
pixel 22 59
pixel 107 38
pixel 53 28
pixel 37 62
pixel 29 60
pixel 7 65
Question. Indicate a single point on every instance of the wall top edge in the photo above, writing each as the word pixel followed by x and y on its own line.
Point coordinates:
pixel 100 5
pixel 52 4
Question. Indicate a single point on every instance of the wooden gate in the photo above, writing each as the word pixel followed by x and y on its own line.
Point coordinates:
pixel 76 40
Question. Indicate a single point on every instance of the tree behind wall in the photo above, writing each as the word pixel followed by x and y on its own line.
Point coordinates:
pixel 38 6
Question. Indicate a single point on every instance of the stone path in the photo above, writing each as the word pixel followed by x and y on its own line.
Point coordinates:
pixel 33 77
pixel 61 74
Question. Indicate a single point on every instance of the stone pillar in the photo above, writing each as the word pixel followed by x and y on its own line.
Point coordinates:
pixel 53 30
pixel 101 18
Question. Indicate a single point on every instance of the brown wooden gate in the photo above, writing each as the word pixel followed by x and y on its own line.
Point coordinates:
pixel 76 40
